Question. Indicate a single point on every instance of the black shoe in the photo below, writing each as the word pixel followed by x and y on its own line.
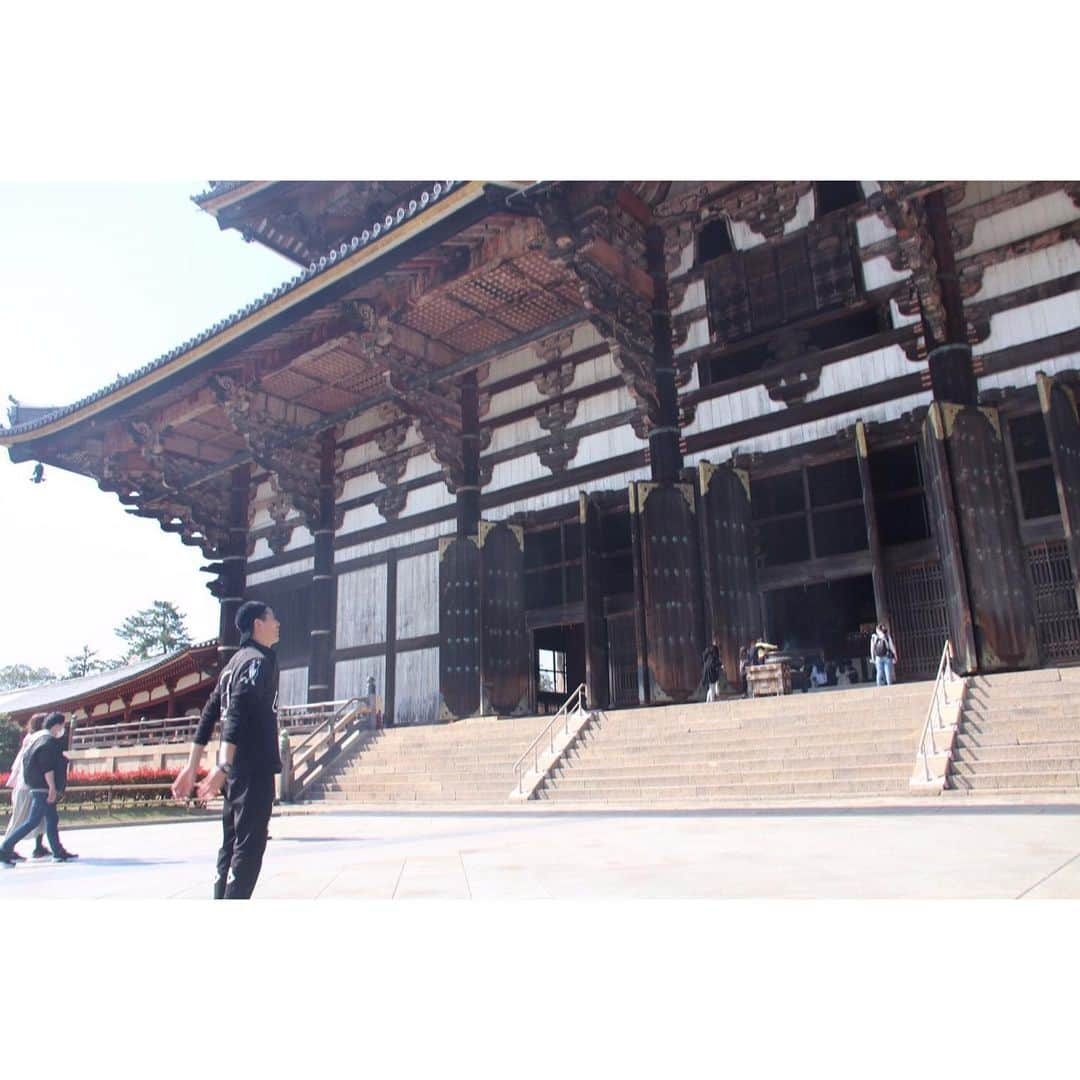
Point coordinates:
pixel 41 853
pixel 6 859
pixel 64 856
pixel 17 857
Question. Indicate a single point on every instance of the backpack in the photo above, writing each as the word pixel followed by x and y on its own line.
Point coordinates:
pixel 881 647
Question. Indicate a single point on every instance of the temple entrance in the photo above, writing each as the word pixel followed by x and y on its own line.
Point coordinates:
pixel 558 665
pixel 829 622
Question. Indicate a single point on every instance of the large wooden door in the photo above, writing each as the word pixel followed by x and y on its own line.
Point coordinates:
pixel 1062 417
pixel 459 627
pixel 505 653
pixel 946 529
pixel 597 680
pixel 671 582
pixel 733 606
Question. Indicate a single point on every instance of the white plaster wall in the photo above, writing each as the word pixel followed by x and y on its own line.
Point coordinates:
pixel 804 213
pixel 417 596
pixel 1031 322
pixel 865 370
pixel 817 429
pixel 261 550
pixel 603 405
pixel 980 191
pixel 1025 376
pixel 292 686
pixel 301 537
pixel 877 273
pixel 1034 217
pixel 360 517
pixel 516 471
pixel 695 298
pixel 1031 269
pixel 350 677
pixel 276 573
pixel 358 486
pixel 361 606
pixel 696 336
pixel 410 536
pixel 551 499
pixel 732 408
pixel 416 683
pixel 871 229
pixel 511 435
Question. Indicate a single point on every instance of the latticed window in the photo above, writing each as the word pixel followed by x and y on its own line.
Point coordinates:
pixel 770 286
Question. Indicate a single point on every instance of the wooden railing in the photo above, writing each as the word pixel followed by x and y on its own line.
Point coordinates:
pixel 342 727
pixel 294 719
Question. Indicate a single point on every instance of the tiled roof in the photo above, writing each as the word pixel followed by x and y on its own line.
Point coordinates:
pixel 216 188
pixel 377 229
pixel 40 697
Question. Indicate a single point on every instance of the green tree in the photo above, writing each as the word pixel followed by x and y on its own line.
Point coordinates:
pixel 16 676
pixel 84 663
pixel 11 736
pixel 154 630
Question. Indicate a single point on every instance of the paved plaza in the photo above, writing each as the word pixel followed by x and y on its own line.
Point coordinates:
pixel 927 851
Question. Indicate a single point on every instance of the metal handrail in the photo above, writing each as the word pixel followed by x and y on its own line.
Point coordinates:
pixel 347 707
pixel 940 698
pixel 575 704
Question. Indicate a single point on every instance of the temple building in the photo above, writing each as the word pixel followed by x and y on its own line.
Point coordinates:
pixel 496 439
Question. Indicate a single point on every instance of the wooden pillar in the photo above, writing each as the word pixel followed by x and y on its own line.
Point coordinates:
pixel 468 491
pixel 320 681
pixel 644 690
pixel 873 536
pixel 597 680
pixel 665 457
pixel 234 572
pixel 390 662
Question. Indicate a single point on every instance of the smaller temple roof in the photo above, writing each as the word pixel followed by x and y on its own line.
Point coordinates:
pixel 53 695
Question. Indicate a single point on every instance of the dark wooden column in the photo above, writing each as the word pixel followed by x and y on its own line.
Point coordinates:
pixel 877 568
pixel 665 457
pixel 952 376
pixel 1062 418
pixel 597 682
pixel 390 662
pixel 234 563
pixel 320 680
pixel 644 689
pixel 468 491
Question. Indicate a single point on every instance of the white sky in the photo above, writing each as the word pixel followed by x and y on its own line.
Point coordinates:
pixel 96 280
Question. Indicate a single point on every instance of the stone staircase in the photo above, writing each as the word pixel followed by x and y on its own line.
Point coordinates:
pixel 1019 734
pixel 471 761
pixel 855 742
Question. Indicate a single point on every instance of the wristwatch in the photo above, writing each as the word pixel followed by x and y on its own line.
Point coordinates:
pixel 225 767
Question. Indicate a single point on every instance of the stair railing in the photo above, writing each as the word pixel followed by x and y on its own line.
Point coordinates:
pixel 935 714
pixel 573 706
pixel 324 742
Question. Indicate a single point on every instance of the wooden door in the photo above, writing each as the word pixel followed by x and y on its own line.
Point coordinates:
pixel 1062 417
pixel 733 606
pixel 459 627
pixel 671 582
pixel 505 656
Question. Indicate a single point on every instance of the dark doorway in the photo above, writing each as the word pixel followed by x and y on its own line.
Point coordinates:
pixel 830 620
pixel 558 664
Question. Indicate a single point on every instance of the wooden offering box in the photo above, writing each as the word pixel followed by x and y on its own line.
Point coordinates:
pixel 765 679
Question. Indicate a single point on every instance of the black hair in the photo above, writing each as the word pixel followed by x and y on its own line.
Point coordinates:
pixel 53 719
pixel 247 613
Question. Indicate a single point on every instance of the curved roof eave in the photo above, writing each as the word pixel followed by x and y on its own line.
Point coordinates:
pixel 444 199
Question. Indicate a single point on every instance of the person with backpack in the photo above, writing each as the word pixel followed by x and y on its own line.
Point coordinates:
pixel 883 655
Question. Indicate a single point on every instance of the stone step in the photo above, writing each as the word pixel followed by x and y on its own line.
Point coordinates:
pixel 639 796
pixel 1035 751
pixel 598 781
pixel 779 757
pixel 754 743
pixel 1017 781
pixel 1016 763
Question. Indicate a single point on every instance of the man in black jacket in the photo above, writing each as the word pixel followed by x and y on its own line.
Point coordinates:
pixel 245 700
pixel 45 774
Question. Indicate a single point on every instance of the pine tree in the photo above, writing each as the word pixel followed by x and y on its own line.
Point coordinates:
pixel 84 663
pixel 154 630
pixel 16 676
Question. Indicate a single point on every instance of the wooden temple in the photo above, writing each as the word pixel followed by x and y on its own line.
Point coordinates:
pixel 495 439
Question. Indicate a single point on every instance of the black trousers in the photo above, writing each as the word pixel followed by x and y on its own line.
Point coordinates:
pixel 245 822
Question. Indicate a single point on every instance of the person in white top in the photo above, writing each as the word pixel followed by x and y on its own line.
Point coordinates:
pixel 20 793
pixel 883 655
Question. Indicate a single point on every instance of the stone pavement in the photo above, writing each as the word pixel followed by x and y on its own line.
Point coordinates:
pixel 927 851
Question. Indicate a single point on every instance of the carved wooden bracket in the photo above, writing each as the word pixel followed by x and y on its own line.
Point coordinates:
pixel 270 427
pixel 914 252
pixel 562 446
pixel 551 348
pixel 802 373
pixel 556 381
